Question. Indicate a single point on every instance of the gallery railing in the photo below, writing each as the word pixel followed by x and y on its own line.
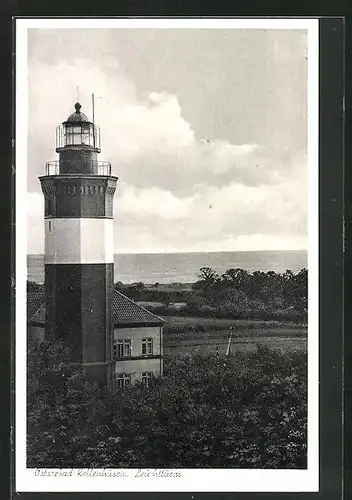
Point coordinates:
pixel 86 167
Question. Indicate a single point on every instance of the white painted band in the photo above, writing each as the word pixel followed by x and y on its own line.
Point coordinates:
pixel 79 241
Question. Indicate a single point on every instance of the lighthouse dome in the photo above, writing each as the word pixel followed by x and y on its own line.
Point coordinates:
pixel 77 116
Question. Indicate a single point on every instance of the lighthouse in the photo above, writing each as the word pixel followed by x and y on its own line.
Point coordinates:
pixel 79 267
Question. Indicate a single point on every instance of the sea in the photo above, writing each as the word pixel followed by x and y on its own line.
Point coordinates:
pixel 184 267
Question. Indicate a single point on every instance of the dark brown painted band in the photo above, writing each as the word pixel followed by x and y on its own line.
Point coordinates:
pixel 108 364
pixel 78 309
pixel 133 358
pixel 76 147
pixel 78 196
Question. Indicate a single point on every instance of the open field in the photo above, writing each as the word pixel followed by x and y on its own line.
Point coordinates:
pixel 224 323
pixel 153 304
pixel 184 335
pixel 245 345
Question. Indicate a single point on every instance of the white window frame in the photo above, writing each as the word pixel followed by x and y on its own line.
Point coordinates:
pixel 147 378
pixel 123 379
pixel 147 345
pixel 122 346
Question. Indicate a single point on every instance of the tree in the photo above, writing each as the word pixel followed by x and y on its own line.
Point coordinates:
pixel 119 286
pixel 208 285
pixel 295 289
pixel 256 284
pixel 249 411
pixel 272 289
pixel 300 290
pixel 239 278
pixel 166 299
pixel 139 285
pixel 208 275
pixel 257 295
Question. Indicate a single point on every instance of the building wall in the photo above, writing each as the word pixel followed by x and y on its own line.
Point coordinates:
pixel 143 363
pixel 131 366
pixel 136 334
pixel 135 368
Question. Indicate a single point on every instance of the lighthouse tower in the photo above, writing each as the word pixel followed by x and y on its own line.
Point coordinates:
pixel 79 270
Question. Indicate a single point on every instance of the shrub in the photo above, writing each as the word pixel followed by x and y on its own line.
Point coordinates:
pixel 247 410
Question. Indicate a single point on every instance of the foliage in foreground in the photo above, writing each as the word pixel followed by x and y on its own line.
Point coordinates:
pixel 248 410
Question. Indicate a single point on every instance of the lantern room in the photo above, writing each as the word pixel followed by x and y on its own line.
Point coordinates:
pixel 77 130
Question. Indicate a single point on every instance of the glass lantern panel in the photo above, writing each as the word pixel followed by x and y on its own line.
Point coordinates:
pixel 77 135
pixel 73 135
pixel 86 135
pixel 68 135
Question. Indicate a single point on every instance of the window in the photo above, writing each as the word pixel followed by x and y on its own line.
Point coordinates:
pixel 147 378
pixel 49 226
pixel 147 346
pixel 123 379
pixel 122 348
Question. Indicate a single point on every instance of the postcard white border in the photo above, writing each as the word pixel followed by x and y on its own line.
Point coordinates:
pixel 196 480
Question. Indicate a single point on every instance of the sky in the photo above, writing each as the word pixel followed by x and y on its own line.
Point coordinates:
pixel 205 129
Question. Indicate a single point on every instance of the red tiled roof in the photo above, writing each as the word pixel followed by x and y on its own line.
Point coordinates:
pixel 35 301
pixel 124 310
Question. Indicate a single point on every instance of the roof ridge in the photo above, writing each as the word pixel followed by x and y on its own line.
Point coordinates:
pixel 140 307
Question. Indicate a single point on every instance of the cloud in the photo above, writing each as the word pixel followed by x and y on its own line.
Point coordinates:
pixel 144 136
pixel 225 218
pixel 151 125
pixel 177 191
pixel 153 202
pixel 233 217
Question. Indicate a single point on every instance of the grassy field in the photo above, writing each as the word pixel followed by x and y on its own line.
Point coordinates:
pixel 224 323
pixel 210 335
pixel 284 345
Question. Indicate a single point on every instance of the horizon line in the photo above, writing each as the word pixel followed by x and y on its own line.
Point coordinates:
pixel 197 251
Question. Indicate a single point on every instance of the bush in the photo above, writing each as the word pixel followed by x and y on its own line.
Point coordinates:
pixel 252 313
pixel 247 410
